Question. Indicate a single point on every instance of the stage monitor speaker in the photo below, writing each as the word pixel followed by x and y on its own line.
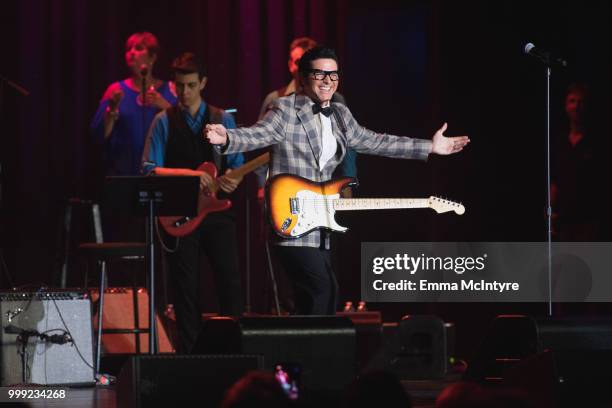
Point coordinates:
pixel 119 314
pixel 422 347
pixel 414 349
pixel 323 346
pixel 368 334
pixel 148 381
pixel 561 362
pixel 65 356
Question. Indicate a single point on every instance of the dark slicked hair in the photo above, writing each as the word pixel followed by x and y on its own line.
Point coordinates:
pixel 189 63
pixel 315 53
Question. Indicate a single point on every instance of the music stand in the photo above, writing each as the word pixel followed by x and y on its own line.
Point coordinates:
pixel 152 196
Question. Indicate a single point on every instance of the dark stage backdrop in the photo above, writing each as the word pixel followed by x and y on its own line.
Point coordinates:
pixel 408 66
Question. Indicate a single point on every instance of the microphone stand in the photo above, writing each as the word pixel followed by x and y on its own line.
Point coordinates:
pixel 548 194
pixel 143 89
pixel 23 338
pixel 547 60
pixel 150 239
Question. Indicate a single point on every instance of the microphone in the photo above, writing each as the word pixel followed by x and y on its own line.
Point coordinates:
pixel 144 70
pixel 57 338
pixel 11 329
pixel 543 56
pixel 53 338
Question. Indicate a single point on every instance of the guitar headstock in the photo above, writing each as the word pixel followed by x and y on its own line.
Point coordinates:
pixel 441 205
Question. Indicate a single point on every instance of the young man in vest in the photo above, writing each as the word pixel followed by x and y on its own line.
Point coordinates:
pixel 173 147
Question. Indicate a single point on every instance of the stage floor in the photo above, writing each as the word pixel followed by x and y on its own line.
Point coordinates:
pixel 423 394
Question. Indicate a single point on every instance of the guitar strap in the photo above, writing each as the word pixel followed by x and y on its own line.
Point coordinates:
pixel 214 115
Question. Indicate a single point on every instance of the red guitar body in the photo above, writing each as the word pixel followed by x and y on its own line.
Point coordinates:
pixel 178 226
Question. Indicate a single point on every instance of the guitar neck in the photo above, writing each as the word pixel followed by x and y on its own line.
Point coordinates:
pixel 345 204
pixel 244 169
pixel 251 165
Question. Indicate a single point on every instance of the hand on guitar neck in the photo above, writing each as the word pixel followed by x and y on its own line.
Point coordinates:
pixel 207 182
pixel 229 182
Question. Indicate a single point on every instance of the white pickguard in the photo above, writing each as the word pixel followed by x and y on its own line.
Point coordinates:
pixel 315 210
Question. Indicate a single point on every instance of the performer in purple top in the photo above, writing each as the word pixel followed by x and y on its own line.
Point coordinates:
pixel 124 116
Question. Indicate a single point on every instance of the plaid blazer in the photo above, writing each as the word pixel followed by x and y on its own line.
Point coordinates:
pixel 291 128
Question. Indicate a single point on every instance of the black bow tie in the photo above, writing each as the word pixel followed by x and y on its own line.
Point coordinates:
pixel 327 111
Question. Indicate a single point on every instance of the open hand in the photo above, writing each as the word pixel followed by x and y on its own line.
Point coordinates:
pixel 447 145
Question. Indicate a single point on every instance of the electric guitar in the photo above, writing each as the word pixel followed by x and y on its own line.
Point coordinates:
pixel 207 200
pixel 297 206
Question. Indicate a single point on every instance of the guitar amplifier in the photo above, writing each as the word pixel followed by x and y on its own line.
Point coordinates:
pixel 57 330
pixel 125 310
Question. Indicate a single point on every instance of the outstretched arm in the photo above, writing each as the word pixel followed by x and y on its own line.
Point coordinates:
pixel 366 141
pixel 268 131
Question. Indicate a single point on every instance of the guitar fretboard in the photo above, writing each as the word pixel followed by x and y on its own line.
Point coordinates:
pixel 251 165
pixel 244 169
pixel 341 204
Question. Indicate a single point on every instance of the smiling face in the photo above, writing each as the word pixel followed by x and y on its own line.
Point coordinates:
pixel 320 90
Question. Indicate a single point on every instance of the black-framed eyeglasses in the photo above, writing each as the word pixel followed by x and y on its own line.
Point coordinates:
pixel 320 74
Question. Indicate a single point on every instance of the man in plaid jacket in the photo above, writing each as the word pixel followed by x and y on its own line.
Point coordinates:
pixel 309 136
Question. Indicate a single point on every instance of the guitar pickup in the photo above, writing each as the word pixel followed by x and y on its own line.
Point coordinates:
pixel 181 221
pixel 294 204
pixel 286 225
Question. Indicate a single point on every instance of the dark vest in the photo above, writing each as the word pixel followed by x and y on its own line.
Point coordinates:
pixel 186 149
